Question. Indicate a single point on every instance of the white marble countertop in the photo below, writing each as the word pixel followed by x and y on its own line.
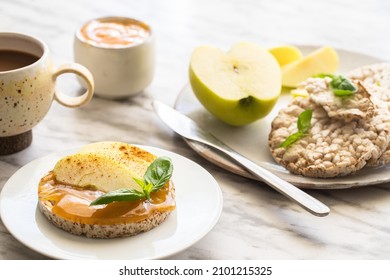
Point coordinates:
pixel 256 222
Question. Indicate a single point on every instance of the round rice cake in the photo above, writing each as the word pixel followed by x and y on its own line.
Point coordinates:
pixel 361 105
pixel 376 78
pixel 333 146
pixel 102 231
pixel 68 206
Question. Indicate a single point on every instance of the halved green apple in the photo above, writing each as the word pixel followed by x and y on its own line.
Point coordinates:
pixel 238 87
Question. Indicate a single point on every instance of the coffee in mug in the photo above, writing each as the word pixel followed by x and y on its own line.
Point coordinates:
pixel 28 87
pixel 11 60
pixel 120 54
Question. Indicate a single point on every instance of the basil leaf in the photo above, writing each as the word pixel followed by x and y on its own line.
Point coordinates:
pixel 304 120
pixel 158 173
pixel 148 190
pixel 342 92
pixel 140 182
pixel 155 177
pixel 292 139
pixel 324 75
pixel 119 195
pixel 342 83
pixel 304 124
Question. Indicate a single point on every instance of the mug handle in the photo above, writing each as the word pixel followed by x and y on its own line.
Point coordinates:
pixel 81 71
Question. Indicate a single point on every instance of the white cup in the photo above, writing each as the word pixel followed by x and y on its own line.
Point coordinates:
pixel 28 88
pixel 119 52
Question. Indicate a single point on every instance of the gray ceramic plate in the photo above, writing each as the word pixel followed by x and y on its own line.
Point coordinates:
pixel 251 140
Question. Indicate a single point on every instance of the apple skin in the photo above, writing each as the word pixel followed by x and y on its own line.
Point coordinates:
pixel 233 112
pixel 245 108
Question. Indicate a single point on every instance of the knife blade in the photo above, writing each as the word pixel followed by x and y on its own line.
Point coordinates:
pixel 188 129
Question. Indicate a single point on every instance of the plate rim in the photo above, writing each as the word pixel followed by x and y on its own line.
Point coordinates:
pixel 34 165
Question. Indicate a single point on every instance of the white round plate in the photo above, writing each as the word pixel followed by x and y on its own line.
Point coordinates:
pixel 252 140
pixel 198 199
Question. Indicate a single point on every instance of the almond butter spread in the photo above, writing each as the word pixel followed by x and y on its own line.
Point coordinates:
pixel 72 203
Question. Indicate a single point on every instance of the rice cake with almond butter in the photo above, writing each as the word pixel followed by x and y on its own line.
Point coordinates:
pixel 69 205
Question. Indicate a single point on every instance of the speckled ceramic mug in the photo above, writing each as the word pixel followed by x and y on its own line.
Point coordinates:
pixel 28 88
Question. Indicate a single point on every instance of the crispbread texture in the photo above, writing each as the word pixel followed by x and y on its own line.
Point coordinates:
pixel 360 105
pixel 104 231
pixel 376 78
pixel 333 146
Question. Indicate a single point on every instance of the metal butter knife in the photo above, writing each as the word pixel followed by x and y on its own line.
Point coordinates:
pixel 187 128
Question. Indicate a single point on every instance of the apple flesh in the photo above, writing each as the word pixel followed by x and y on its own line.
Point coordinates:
pixel 238 87
pixel 322 60
pixel 105 166
pixel 286 54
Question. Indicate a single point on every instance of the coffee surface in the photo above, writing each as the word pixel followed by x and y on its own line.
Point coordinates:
pixel 115 32
pixel 10 59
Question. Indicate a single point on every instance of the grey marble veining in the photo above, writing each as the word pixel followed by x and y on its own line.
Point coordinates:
pixel 256 222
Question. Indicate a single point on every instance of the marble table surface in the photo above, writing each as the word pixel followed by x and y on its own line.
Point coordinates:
pixel 256 221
